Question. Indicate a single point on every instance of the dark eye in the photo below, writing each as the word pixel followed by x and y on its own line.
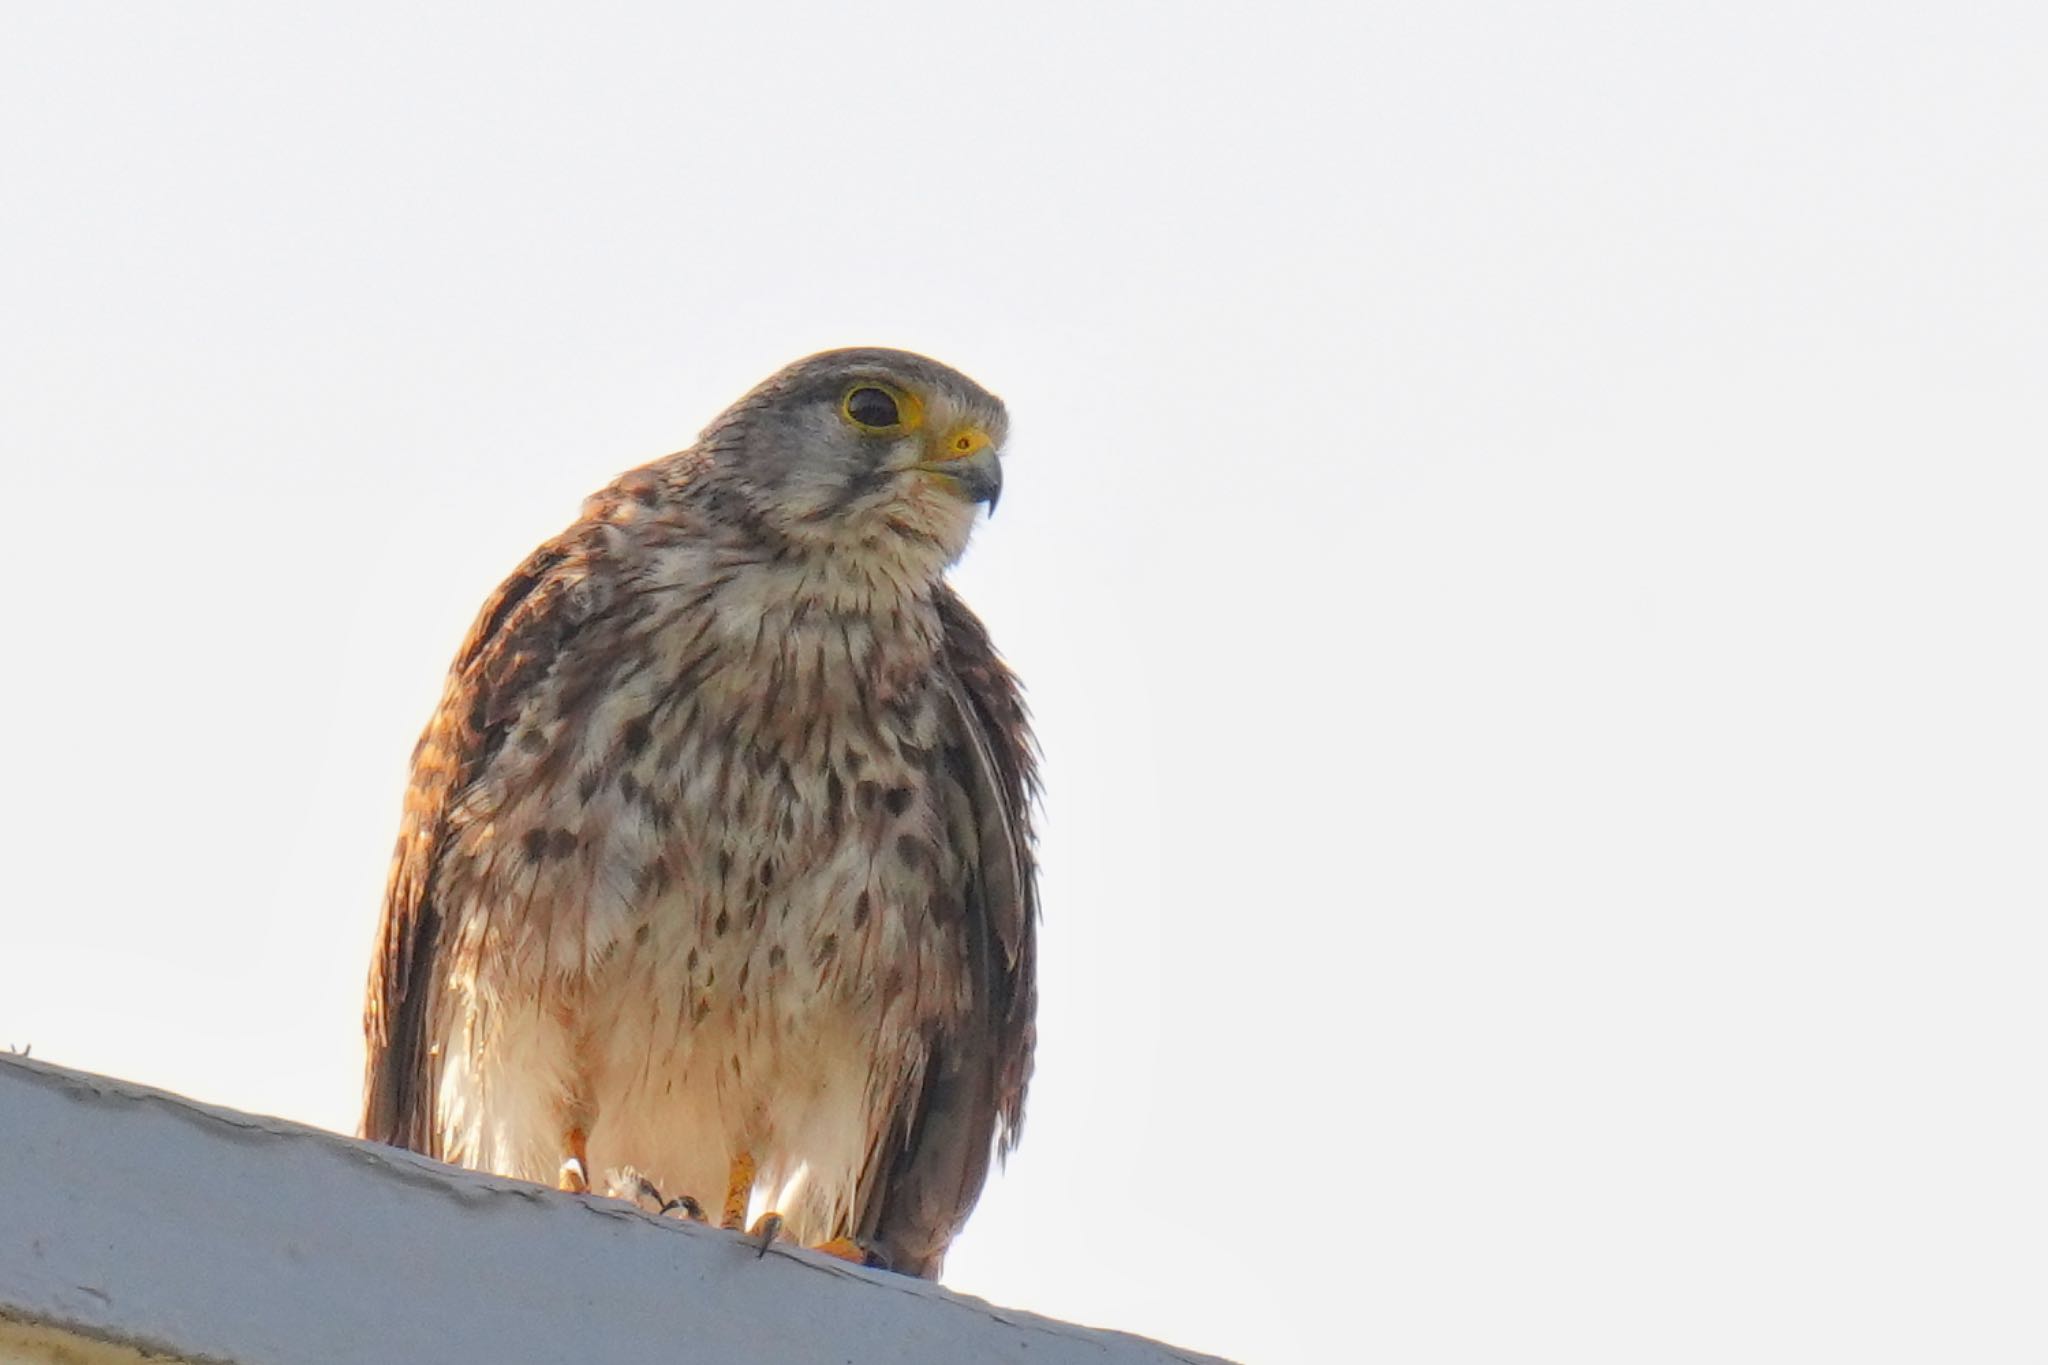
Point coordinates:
pixel 872 407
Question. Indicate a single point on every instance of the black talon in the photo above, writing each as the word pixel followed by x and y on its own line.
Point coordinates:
pixel 647 1194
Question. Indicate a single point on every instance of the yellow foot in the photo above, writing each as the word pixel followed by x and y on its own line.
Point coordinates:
pixel 574 1175
pixel 764 1232
pixel 739 1187
pixel 850 1249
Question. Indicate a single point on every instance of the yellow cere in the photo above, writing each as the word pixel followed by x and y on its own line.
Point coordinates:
pixel 964 442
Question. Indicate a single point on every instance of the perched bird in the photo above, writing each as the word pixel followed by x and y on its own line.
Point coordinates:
pixel 716 859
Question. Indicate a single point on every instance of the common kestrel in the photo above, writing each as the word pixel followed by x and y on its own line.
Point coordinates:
pixel 716 858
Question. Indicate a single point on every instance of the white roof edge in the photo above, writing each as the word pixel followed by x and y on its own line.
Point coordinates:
pixel 137 1217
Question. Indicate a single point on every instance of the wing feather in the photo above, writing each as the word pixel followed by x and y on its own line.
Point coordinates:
pixel 512 645
pixel 933 1161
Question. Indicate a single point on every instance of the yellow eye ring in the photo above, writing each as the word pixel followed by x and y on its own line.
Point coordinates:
pixel 880 409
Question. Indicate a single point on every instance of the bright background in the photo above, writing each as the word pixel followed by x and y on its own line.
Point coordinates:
pixel 1524 532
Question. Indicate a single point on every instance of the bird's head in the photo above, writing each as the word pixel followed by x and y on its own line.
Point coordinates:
pixel 866 448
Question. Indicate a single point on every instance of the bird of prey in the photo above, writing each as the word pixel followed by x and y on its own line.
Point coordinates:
pixel 716 858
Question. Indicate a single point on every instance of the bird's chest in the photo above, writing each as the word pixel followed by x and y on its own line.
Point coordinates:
pixel 743 820
pixel 784 851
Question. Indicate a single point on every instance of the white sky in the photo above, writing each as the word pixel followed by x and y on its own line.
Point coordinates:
pixel 1524 535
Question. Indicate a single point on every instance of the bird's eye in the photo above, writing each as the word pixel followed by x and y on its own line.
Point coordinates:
pixel 872 408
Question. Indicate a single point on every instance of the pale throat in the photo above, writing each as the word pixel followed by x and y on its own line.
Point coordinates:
pixel 868 607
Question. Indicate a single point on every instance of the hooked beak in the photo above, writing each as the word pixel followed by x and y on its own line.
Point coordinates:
pixel 966 463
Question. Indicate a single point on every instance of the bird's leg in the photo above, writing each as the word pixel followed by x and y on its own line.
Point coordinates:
pixel 739 1187
pixel 854 1250
pixel 577 1115
pixel 575 1173
pixel 769 1227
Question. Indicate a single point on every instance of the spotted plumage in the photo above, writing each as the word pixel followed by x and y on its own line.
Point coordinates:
pixel 717 847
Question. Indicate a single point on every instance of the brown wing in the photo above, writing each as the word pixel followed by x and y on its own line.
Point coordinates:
pixel 513 644
pixel 929 1171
